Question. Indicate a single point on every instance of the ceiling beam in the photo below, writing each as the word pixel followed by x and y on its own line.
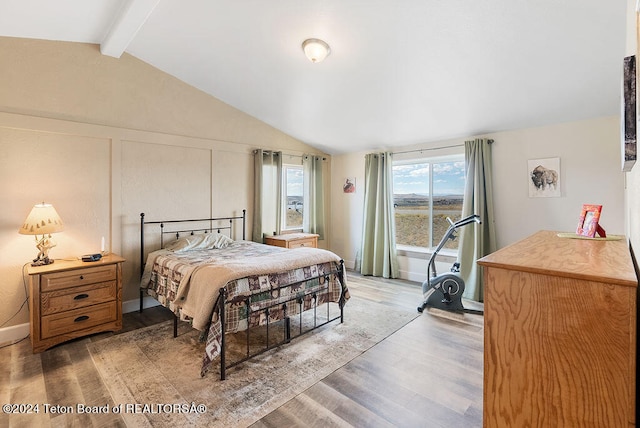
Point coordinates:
pixel 131 18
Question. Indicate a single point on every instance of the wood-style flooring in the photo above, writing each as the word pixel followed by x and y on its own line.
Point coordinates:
pixel 427 374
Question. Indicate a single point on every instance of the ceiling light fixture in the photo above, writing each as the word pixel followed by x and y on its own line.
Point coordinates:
pixel 315 49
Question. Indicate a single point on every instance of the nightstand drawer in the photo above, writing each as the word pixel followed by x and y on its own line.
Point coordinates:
pixel 77 277
pixel 77 319
pixel 298 243
pixel 77 297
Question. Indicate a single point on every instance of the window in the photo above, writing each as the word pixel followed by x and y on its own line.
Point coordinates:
pixel 425 193
pixel 293 197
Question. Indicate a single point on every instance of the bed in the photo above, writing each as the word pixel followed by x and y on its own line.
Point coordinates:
pixel 223 285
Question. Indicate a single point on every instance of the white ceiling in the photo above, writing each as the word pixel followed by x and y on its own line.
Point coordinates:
pixel 400 72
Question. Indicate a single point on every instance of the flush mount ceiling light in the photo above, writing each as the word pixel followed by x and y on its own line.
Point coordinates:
pixel 315 49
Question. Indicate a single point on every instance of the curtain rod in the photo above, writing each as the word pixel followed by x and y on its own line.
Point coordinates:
pixel 286 154
pixel 432 148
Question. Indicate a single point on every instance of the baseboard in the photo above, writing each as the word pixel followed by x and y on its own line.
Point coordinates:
pixel 350 264
pixel 9 335
pixel 134 305
pixel 14 333
pixel 403 274
pixel 413 276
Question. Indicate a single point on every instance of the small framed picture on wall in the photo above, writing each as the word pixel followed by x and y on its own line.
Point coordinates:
pixel 629 114
pixel 544 178
pixel 349 185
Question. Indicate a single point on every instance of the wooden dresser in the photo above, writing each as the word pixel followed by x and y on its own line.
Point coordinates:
pixel 560 333
pixel 293 240
pixel 71 299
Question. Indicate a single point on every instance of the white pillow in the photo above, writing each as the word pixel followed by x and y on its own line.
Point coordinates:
pixel 202 241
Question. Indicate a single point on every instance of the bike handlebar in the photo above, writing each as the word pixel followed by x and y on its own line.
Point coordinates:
pixel 473 218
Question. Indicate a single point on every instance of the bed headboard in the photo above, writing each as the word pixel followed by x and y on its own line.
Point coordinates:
pixel 176 228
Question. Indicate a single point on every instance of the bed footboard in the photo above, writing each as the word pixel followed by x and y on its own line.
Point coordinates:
pixel 267 309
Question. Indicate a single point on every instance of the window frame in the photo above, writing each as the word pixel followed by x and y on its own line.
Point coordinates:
pixel 430 160
pixel 284 204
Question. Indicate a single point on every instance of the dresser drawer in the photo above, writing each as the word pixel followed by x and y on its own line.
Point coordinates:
pixel 299 243
pixel 77 319
pixel 77 277
pixel 77 297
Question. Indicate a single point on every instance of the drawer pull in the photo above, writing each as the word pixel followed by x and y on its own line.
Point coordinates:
pixel 81 318
pixel 81 277
pixel 81 296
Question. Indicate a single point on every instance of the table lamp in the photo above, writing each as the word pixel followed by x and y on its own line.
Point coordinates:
pixel 42 220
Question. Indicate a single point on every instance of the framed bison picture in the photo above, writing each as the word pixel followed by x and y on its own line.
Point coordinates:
pixel 544 178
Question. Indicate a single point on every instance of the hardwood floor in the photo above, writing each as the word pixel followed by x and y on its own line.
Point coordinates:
pixel 427 374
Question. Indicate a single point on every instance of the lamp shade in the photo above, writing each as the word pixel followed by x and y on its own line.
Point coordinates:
pixel 43 219
pixel 315 49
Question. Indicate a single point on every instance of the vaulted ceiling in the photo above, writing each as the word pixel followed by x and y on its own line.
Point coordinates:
pixel 400 72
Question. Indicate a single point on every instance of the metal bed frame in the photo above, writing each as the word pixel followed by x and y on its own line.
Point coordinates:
pixel 222 302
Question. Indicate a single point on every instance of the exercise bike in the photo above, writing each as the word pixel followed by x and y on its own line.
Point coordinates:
pixel 444 291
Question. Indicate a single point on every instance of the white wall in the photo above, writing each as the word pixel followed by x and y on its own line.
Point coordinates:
pixel 589 153
pixel 68 171
pixel 103 140
pixel 346 215
pixel 100 179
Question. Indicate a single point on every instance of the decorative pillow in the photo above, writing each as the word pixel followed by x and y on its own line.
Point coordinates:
pixel 199 242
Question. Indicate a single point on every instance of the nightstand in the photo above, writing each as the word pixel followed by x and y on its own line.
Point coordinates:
pixel 293 240
pixel 72 298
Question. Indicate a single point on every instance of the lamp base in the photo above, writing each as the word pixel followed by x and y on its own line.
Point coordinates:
pixel 42 262
pixel 43 244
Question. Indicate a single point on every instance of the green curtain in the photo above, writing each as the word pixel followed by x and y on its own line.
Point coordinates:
pixel 313 218
pixel 477 240
pixel 267 197
pixel 378 252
